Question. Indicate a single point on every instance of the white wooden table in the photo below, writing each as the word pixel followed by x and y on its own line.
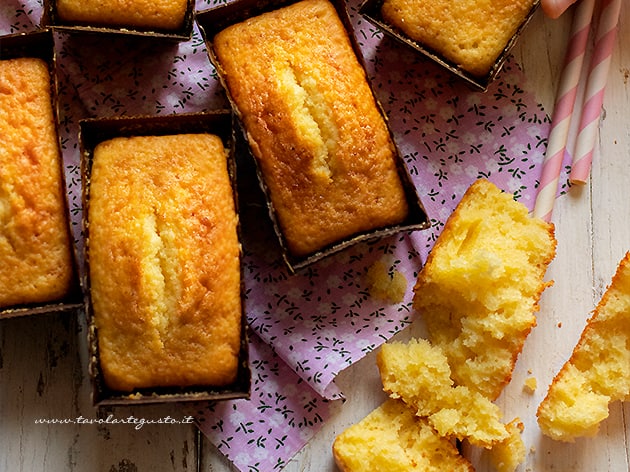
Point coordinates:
pixel 42 376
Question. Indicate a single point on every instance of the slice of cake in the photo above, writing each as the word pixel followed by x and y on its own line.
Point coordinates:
pixel 479 289
pixel 391 438
pixel 598 371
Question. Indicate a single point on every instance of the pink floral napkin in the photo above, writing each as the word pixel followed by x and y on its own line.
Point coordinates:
pixel 308 327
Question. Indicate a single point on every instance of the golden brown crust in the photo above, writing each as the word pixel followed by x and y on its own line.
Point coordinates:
pixel 164 262
pixel 35 246
pixel 161 14
pixel 480 286
pixel 471 34
pixel 312 122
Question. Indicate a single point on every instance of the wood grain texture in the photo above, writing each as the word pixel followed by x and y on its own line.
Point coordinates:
pixel 42 377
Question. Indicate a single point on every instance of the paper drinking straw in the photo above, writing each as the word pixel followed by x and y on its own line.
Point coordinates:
pixel 594 92
pixel 563 109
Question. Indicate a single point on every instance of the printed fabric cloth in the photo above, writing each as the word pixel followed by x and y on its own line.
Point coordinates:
pixel 308 327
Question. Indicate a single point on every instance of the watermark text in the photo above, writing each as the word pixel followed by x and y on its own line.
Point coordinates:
pixel 137 423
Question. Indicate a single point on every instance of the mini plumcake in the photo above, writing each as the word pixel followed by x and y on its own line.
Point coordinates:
pixel 35 245
pixel 469 33
pixel 164 262
pixel 313 125
pixel 158 14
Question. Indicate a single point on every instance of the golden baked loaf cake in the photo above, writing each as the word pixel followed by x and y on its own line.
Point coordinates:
pixel 312 123
pixel 598 371
pixel 480 286
pixel 35 245
pixel 157 14
pixel 391 438
pixel 164 261
pixel 469 33
pixel 419 374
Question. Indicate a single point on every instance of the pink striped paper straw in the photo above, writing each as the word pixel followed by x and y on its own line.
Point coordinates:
pixel 594 92
pixel 563 109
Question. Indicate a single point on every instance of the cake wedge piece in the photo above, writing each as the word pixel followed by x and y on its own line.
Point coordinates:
pixel 598 371
pixel 480 286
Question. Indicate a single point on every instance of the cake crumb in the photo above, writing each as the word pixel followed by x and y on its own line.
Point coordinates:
pixel 506 455
pixel 530 384
pixel 386 285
